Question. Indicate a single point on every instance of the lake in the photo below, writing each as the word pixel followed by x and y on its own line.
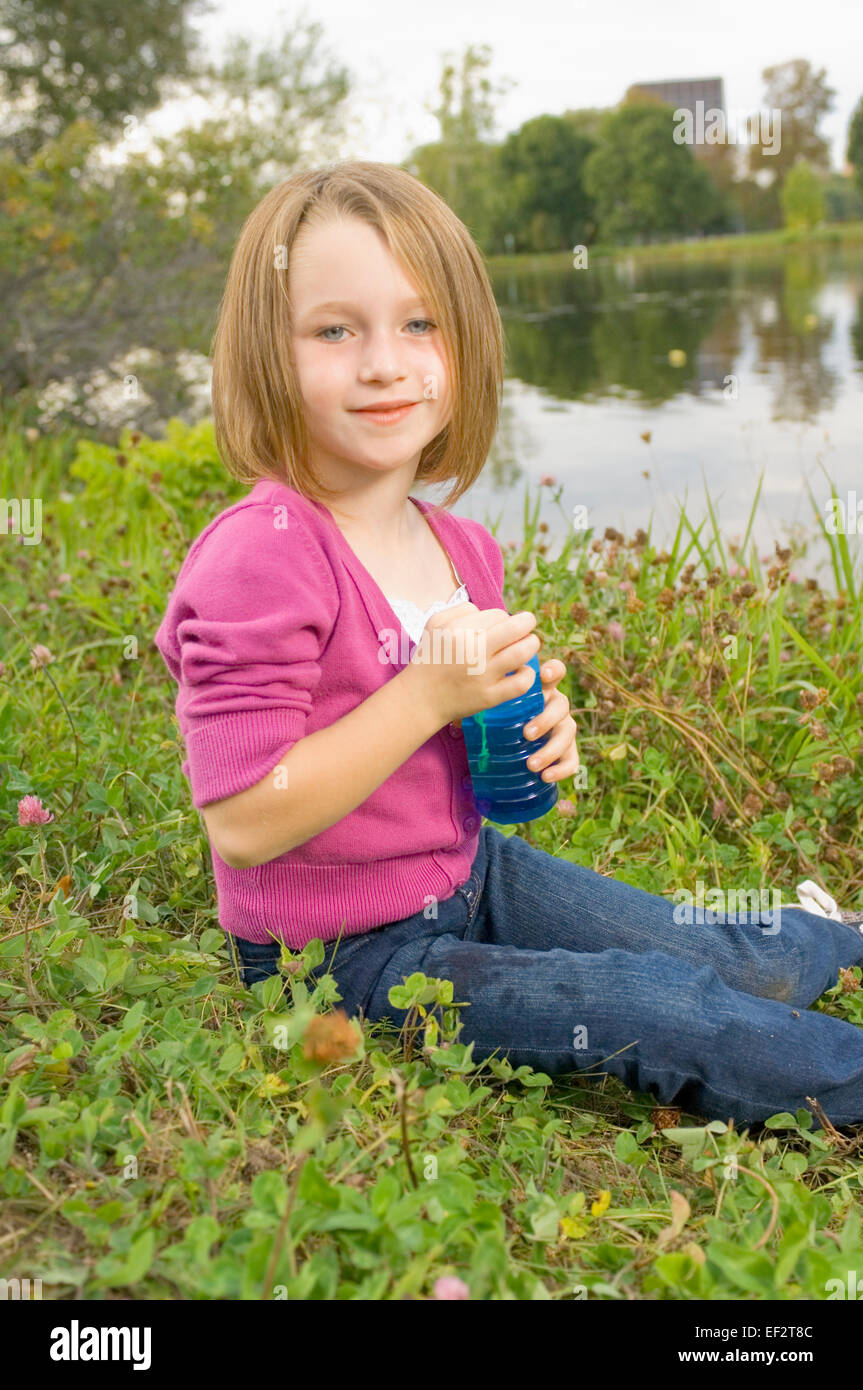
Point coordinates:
pixel 766 374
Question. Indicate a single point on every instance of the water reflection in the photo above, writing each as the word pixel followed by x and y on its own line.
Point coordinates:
pixel 608 332
pixel 771 358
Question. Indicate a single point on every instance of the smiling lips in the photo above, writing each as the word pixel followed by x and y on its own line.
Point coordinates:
pixel 387 414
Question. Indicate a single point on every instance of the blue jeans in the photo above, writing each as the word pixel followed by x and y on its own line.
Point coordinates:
pixel 566 970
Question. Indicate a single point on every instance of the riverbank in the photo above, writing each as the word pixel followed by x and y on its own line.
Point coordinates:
pixel 694 249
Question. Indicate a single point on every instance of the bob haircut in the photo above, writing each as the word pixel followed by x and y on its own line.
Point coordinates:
pixel 259 420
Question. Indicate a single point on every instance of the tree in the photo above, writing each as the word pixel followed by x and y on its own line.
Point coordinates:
pixel 642 182
pixel 719 160
pixel 542 163
pixel 802 198
pixel 98 258
pixel 95 60
pixel 854 153
pixel 801 98
pixel 843 198
pixel 273 107
pixel 469 181
pixel 465 110
pixel 462 166
pixel 586 120
pixel 757 207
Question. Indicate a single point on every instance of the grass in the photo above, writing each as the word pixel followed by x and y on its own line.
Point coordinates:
pixel 696 249
pixel 166 1134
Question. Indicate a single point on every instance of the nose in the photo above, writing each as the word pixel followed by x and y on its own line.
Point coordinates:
pixel 381 357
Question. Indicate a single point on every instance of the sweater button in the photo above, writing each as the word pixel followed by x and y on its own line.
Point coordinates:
pixel 454 731
pixel 470 824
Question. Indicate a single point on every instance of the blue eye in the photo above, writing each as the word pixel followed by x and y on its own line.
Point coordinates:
pixel 339 327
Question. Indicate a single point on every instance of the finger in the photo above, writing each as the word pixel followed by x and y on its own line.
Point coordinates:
pixel 558 746
pixel 566 767
pixel 556 710
pixel 552 671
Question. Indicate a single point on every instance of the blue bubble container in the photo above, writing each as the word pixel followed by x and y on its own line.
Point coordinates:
pixel 506 789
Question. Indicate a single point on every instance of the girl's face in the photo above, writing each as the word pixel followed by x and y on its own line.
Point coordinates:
pixel 361 336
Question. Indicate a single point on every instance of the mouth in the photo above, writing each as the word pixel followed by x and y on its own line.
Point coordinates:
pixel 390 415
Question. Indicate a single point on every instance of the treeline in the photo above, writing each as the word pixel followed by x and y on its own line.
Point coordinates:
pixel 619 176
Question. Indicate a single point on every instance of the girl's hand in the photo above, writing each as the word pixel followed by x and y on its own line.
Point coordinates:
pixel 470 659
pixel 558 758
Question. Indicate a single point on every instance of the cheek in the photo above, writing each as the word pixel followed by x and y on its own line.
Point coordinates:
pixel 321 378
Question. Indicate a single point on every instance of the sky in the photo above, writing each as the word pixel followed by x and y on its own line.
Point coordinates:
pixel 557 54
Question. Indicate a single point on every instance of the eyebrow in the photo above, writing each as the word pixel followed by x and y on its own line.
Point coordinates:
pixel 336 305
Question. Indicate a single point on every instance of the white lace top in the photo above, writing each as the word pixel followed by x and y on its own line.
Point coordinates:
pixel 413 619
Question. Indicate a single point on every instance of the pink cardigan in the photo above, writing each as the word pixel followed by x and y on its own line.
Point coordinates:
pixel 273 630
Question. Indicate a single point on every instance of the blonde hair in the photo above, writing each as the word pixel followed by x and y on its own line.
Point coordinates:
pixel 257 406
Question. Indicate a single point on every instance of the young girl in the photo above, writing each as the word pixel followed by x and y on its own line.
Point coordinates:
pixel 358 352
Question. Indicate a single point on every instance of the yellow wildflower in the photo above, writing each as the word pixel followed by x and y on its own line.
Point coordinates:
pixel 602 1203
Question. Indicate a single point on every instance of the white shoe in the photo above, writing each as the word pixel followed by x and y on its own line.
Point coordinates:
pixel 815 899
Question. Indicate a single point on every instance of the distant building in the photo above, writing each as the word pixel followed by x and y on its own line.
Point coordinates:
pixel 684 94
